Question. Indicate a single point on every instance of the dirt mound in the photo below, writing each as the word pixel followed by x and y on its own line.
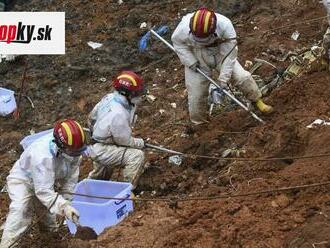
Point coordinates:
pixel 283 220
pixel 85 233
pixel 315 232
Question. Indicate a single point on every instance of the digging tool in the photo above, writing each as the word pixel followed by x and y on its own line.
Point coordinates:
pixel 162 149
pixel 211 80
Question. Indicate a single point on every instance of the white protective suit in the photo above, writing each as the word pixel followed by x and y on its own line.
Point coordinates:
pixel 110 123
pixel 31 186
pixel 210 56
pixel 326 37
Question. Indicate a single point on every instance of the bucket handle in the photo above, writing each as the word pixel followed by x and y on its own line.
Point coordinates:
pixel 121 201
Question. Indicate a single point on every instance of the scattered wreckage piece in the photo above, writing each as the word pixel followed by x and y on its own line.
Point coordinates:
pixel 308 60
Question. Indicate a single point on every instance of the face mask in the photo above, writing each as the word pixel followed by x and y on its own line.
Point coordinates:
pixel 136 100
pixel 204 41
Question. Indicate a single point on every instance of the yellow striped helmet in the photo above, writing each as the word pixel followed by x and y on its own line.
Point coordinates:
pixel 69 135
pixel 203 23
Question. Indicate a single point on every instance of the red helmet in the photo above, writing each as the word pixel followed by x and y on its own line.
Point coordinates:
pixel 69 135
pixel 203 23
pixel 129 83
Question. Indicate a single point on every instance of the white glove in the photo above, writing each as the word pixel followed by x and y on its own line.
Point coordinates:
pixel 72 214
pixel 87 152
pixel 216 96
pixel 223 85
pixel 138 143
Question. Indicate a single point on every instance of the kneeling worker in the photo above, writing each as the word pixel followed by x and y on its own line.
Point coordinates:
pixel 111 126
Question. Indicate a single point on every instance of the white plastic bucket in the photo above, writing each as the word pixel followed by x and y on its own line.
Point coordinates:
pixel 7 101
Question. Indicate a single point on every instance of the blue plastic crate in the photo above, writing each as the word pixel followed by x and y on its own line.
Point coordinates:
pixel 101 213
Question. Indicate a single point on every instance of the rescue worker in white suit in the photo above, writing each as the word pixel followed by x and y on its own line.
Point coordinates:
pixel 49 162
pixel 326 37
pixel 207 40
pixel 111 123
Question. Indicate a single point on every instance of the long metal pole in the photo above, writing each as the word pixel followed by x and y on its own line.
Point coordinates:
pixel 163 149
pixel 212 81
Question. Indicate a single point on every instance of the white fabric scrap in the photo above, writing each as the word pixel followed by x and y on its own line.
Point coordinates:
pixel 7 57
pixel 143 25
pixel 295 35
pixel 318 122
pixel 94 45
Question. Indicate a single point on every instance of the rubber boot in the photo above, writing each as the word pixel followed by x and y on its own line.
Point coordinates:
pixel 263 107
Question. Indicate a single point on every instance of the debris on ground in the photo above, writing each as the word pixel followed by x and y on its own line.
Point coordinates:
pixel 318 122
pixel 176 160
pixel 295 35
pixel 94 45
pixel 151 98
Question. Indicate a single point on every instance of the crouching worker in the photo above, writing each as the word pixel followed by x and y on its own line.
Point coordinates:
pixel 49 162
pixel 111 123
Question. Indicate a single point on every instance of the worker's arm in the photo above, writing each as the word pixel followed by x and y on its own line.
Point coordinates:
pixel 179 40
pixel 71 179
pixel 228 51
pixel 43 175
pixel 122 133
pixel 92 117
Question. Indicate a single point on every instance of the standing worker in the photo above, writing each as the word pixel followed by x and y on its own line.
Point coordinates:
pixel 49 162
pixel 111 123
pixel 207 40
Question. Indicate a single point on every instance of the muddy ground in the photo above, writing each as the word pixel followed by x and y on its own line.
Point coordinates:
pixel 70 85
